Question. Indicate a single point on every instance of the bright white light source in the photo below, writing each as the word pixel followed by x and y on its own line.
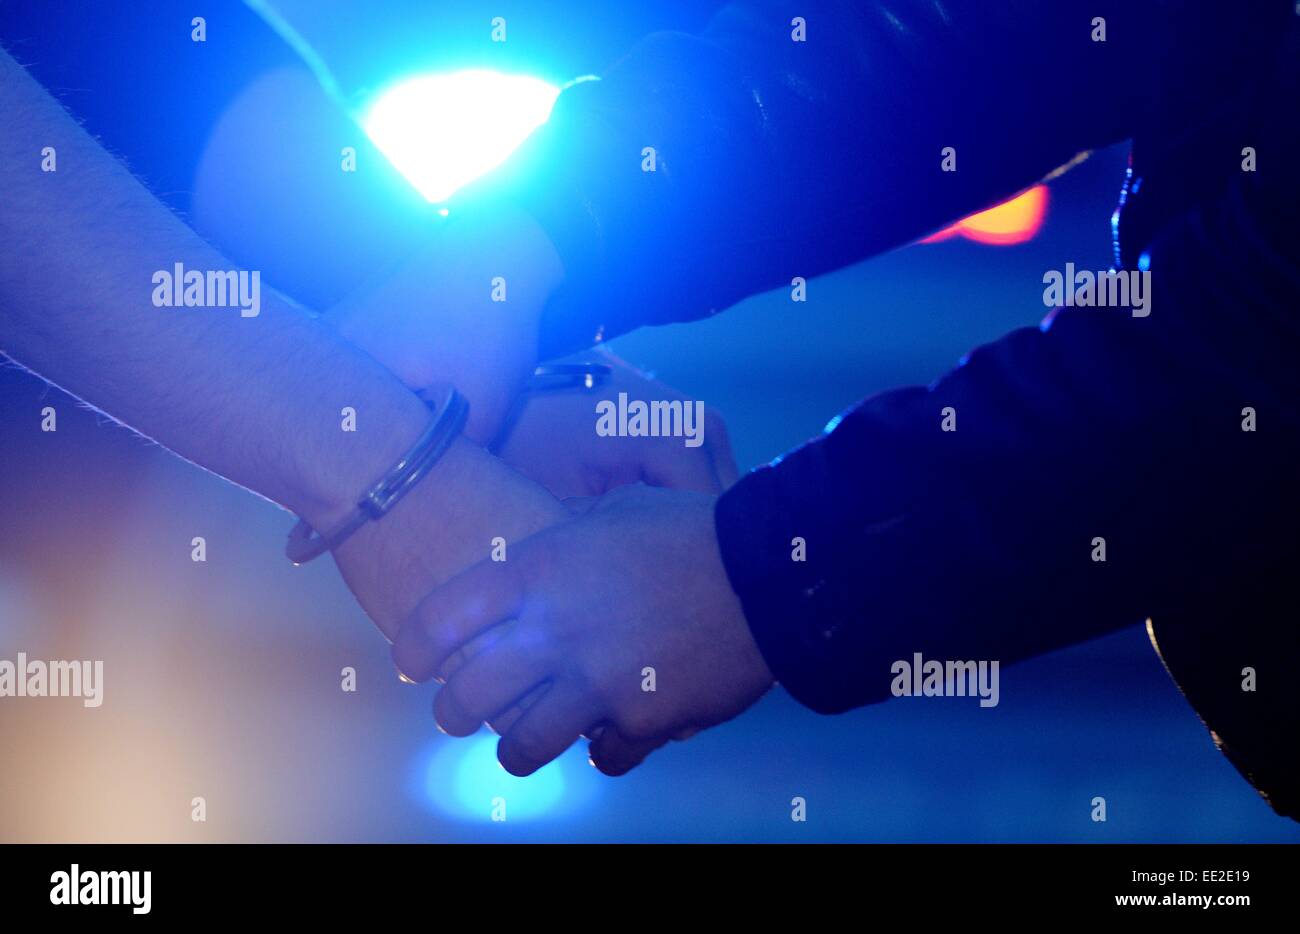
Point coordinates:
pixel 444 131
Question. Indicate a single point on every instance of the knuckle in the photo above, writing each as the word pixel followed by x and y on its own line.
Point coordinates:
pixel 587 678
pixel 504 722
pixel 636 722
pixel 463 700
pixel 443 642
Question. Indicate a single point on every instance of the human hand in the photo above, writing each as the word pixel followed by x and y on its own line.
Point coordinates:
pixel 570 624
pixel 389 565
pixel 433 319
pixel 554 440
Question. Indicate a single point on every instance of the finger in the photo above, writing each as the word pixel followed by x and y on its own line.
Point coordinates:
pixel 579 505
pixel 615 755
pixel 681 468
pixel 717 441
pixel 502 722
pixel 666 462
pixel 457 659
pixel 488 684
pixel 453 614
pixel 550 726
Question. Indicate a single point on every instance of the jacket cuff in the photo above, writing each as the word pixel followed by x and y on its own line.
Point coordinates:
pixel 808 626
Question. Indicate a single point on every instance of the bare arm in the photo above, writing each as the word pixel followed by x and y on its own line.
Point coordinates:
pixel 257 400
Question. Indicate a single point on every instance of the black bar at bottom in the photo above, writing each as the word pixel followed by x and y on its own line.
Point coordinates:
pixel 431 884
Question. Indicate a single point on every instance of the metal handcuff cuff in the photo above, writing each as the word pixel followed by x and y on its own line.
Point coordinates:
pixel 451 410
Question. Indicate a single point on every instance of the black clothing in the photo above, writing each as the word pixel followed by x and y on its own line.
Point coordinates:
pixel 778 158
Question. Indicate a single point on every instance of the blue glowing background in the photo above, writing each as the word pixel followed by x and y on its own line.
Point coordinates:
pixel 226 674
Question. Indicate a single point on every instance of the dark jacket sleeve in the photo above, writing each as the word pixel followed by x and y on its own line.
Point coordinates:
pixel 982 542
pixel 777 158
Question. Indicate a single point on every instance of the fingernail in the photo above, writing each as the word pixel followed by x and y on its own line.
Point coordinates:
pixel 402 678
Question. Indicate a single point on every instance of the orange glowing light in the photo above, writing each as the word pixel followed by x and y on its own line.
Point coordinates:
pixel 1010 222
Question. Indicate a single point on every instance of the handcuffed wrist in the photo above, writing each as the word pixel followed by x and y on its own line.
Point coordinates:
pixel 305 543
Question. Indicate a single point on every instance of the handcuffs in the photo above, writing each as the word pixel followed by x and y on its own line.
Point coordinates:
pixel 450 411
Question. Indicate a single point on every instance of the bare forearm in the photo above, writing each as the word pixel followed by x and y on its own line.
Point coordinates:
pixel 255 399
pixel 258 400
pixel 414 290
